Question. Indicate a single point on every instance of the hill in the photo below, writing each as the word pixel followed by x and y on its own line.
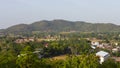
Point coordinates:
pixel 62 25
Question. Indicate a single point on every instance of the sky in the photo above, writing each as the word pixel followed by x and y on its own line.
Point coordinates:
pixel 14 12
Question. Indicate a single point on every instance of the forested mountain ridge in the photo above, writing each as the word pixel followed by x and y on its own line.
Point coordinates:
pixel 62 25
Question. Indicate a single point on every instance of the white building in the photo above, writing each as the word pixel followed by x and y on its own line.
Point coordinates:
pixel 117 49
pixel 95 43
pixel 103 56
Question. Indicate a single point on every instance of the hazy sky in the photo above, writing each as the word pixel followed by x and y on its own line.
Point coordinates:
pixel 28 11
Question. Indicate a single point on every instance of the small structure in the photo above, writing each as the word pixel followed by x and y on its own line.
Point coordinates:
pixel 46 45
pixel 114 50
pixel 93 47
pixel 103 56
pixel 95 43
pixel 23 40
pixel 101 46
pixel 117 49
pixel 22 55
pixel 117 59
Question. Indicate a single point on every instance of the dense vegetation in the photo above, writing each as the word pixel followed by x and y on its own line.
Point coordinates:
pixel 78 52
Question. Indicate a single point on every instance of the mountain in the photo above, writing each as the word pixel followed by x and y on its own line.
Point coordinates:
pixel 62 25
pixel 1 30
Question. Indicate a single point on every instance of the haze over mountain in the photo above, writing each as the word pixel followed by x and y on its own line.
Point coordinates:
pixel 62 25
pixel 27 11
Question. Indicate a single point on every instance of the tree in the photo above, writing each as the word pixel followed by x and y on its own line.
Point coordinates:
pixel 89 61
pixel 72 62
pixel 7 59
pixel 109 64
pixel 27 59
pixel 58 64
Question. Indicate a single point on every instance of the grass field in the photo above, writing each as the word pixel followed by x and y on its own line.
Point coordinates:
pixel 61 57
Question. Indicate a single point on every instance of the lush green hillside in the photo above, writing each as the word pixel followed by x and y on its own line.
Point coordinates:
pixel 62 25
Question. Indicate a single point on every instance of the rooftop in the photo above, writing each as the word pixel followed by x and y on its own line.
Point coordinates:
pixel 102 53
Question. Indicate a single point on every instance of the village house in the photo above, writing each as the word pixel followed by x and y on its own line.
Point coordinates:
pixel 22 40
pixel 97 44
pixel 107 46
pixel 94 44
pixel 102 56
pixel 101 46
pixel 117 49
pixel 19 40
pixel 117 59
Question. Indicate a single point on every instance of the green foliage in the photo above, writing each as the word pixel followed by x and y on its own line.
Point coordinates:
pixel 7 59
pixel 79 47
pixel 89 61
pixel 58 64
pixel 27 59
pixel 109 64
pixel 81 61
pixel 13 55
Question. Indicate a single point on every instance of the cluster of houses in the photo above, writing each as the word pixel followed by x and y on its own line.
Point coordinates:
pixel 46 38
pixel 22 40
pixel 103 55
pixel 96 44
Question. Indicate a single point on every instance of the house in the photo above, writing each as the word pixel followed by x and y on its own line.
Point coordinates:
pixel 114 50
pixel 23 40
pixel 101 46
pixel 117 59
pixel 94 44
pixel 102 56
pixel 19 40
pixel 46 45
pixel 117 49
pixel 108 46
